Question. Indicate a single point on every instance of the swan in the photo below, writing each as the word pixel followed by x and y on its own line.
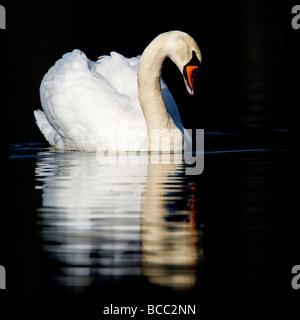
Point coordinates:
pixel 117 103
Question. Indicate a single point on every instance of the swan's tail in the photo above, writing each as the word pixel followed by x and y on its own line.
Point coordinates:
pixel 52 136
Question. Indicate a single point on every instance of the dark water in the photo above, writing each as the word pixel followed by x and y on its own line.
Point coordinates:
pixel 138 233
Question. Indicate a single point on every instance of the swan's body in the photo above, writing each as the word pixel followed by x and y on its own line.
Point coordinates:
pixel 114 103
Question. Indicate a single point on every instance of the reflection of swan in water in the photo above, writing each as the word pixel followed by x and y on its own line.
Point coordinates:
pixel 170 254
pixel 111 220
pixel 93 212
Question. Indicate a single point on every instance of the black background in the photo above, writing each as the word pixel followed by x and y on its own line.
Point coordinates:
pixel 40 32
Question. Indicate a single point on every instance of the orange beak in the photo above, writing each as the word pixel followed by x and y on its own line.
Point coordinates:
pixel 189 74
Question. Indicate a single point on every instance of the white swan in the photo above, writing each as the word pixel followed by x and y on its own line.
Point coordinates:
pixel 115 103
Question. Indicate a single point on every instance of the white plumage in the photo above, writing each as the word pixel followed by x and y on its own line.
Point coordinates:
pixel 94 105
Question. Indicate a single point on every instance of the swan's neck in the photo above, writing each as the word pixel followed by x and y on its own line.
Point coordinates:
pixel 150 95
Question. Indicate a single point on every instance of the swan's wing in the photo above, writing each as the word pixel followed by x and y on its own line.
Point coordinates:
pixel 50 134
pixel 78 101
pixel 121 73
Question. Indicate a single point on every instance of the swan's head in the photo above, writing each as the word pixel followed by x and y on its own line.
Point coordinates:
pixel 185 53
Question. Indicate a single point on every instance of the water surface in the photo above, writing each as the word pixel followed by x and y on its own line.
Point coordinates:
pixel 141 231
